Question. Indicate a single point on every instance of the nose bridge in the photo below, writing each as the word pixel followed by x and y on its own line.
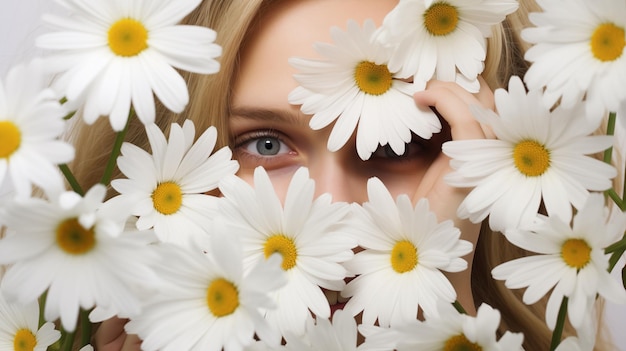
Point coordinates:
pixel 334 176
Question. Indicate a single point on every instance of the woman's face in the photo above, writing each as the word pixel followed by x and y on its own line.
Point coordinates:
pixel 270 132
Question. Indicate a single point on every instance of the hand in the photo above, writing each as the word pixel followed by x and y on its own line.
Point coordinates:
pixel 111 336
pixel 452 102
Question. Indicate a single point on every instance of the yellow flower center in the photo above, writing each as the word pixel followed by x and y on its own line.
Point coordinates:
pixel 460 343
pixel 24 340
pixel 531 158
pixel 372 79
pixel 222 297
pixel 403 256
pixel 608 42
pixel 167 198
pixel 576 253
pixel 73 238
pixel 284 246
pixel 10 138
pixel 128 37
pixel 441 18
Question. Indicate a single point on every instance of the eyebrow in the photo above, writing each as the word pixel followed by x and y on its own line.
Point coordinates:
pixel 269 115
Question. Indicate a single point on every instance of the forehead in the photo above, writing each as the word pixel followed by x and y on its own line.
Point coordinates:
pixel 289 29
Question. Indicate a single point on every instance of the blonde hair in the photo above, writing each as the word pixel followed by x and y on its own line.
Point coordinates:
pixel 210 97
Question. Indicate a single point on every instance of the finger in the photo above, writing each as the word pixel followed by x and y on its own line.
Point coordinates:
pixel 132 343
pixel 452 103
pixel 444 199
pixel 110 334
pixel 486 97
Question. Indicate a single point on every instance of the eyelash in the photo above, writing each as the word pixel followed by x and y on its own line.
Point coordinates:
pixel 414 148
pixel 243 155
pixel 242 140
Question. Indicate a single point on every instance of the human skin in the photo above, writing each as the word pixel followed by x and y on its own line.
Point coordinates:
pixel 262 116
pixel 263 83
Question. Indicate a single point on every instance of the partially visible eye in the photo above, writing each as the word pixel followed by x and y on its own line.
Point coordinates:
pixel 262 144
pixel 267 146
pixel 386 151
pixel 411 149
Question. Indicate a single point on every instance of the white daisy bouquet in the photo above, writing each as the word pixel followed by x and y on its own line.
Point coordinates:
pixel 251 270
pixel 542 158
pixel 84 257
pixel 540 172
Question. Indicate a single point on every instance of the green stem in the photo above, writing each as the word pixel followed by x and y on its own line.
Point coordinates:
pixel 62 101
pixel 67 172
pixel 617 249
pixel 623 208
pixel 459 307
pixel 618 201
pixel 119 140
pixel 610 130
pixel 68 341
pixel 42 308
pixel 608 155
pixel 85 327
pixel 69 115
pixel 560 323
pixel 617 254
pixel 616 246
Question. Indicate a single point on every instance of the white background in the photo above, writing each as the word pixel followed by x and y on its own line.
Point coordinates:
pixel 20 24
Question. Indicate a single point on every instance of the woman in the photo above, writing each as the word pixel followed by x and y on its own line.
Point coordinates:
pixel 247 102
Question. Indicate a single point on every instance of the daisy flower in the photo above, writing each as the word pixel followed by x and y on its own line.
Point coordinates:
pixel 261 346
pixel 354 86
pixel 573 343
pixel 81 258
pixel 31 122
pixel 585 338
pixel 210 301
pixel 322 335
pixel 449 330
pixel 111 54
pixel 570 259
pixel 404 251
pixel 442 39
pixel 579 53
pixel 7 195
pixel 310 234
pixel 19 328
pixel 167 189
pixel 539 155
